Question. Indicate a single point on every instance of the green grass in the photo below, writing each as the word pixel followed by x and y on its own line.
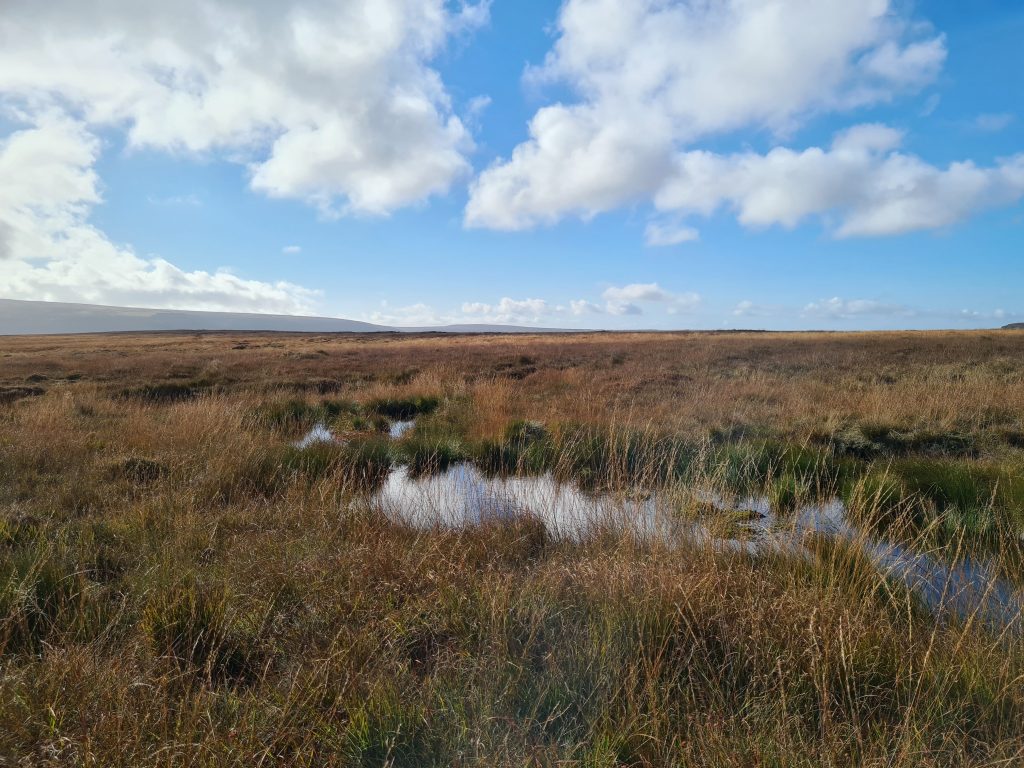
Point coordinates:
pixel 404 408
pixel 294 414
pixel 192 626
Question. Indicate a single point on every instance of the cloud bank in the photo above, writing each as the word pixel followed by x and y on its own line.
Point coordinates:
pixel 655 78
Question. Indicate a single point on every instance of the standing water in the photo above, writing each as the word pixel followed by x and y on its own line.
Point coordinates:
pixel 463 495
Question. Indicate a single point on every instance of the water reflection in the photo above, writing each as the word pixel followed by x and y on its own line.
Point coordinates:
pixel 463 495
pixel 322 434
pixel 319 435
pixel 399 428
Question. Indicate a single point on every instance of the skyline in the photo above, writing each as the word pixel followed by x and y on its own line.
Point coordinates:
pixel 743 164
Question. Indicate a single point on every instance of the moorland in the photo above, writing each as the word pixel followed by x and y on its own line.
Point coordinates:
pixel 184 580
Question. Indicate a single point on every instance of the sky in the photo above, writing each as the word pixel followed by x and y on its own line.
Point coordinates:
pixel 670 164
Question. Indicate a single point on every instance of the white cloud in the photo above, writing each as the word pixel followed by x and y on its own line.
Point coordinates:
pixel 414 315
pixel 618 301
pixel 505 312
pixel 291 250
pixel 584 307
pixel 914 65
pixel 862 180
pixel 329 101
pixel 508 311
pixel 658 235
pixel 50 250
pixel 333 102
pixel 637 292
pixel 653 76
pixel 844 309
pixel 627 299
pixel 930 105
pixel 749 308
pixel 475 110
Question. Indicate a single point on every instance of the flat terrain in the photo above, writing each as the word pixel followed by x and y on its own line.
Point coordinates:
pixel 181 584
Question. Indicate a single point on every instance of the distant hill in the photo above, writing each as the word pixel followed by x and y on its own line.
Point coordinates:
pixel 47 317
pixel 1014 327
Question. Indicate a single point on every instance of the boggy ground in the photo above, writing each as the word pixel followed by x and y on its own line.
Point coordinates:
pixel 181 585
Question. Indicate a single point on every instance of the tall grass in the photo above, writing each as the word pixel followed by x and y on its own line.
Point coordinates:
pixel 180 585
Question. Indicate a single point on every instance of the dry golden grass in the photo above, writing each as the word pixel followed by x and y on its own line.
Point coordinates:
pixel 685 381
pixel 177 588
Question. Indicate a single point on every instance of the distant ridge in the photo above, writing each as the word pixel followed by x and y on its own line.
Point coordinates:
pixel 1014 327
pixel 50 317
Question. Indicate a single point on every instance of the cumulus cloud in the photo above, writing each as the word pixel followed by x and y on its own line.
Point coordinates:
pixel 747 308
pixel 50 251
pixel 652 75
pixel 508 311
pixel 329 101
pixel 871 187
pixel 413 315
pixel 618 301
pixel 584 307
pixel 654 78
pixel 843 309
pixel 332 102
pixel 627 299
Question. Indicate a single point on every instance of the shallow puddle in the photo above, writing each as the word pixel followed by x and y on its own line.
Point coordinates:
pixel 463 495
pixel 968 588
pixel 318 435
pixel 322 434
pixel 399 428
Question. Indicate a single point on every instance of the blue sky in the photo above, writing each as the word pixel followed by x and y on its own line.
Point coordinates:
pixel 521 161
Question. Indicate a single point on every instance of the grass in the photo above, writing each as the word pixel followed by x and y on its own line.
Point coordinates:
pixel 403 408
pixel 181 585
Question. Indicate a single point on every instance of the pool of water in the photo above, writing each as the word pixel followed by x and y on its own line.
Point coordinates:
pixel 463 495
pixel 318 435
pixel 399 428
pixel 322 434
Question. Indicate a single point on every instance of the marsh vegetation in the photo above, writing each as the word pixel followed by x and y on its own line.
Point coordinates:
pixel 592 550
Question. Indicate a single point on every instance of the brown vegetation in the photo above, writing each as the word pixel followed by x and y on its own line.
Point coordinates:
pixel 180 586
